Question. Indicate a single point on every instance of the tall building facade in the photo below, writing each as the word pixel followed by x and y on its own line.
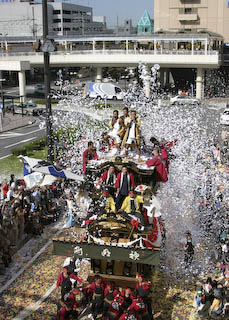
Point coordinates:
pixel 24 18
pixel 192 15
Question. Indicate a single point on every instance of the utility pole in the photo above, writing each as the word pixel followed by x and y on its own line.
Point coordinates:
pixel 47 48
pixel 33 22
pixel 2 93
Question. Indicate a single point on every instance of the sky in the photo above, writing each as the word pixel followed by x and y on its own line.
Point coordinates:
pixel 124 9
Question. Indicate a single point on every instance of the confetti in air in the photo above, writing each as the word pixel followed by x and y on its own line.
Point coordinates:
pixel 192 165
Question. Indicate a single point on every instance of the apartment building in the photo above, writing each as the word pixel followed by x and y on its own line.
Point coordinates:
pixel 192 15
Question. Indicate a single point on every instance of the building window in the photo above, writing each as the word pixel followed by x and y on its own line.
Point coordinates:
pixel 187 10
pixel 67 29
pixel 56 29
pixel 67 20
pixel 56 20
pixel 56 11
pixel 66 12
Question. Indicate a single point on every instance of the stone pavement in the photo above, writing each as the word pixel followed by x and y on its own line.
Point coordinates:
pixel 15 121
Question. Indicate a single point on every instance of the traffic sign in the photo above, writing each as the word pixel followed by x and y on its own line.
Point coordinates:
pixel 48 46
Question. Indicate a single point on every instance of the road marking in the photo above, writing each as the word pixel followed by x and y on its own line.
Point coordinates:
pixel 14 144
pixel 35 306
pixel 24 134
pixel 9 135
pixel 6 156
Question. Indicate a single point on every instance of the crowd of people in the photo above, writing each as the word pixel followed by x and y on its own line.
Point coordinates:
pixel 123 138
pixel 101 299
pixel 24 212
pixel 212 296
pixel 125 134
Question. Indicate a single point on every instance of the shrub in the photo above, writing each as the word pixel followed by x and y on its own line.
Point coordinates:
pixel 28 148
pixel 19 151
pixel 42 101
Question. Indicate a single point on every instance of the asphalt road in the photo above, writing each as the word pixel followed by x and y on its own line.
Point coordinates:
pixel 18 137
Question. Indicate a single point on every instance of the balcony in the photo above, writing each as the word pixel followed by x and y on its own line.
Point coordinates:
pixel 188 14
pixel 190 1
pixel 188 17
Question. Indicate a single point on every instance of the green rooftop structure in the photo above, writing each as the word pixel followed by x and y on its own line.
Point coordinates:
pixel 145 24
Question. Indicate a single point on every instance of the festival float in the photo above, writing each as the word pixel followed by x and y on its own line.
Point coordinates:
pixel 115 247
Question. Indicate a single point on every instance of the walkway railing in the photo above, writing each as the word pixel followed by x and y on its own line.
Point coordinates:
pixel 111 52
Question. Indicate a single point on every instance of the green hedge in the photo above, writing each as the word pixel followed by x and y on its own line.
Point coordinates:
pixel 43 101
pixel 26 149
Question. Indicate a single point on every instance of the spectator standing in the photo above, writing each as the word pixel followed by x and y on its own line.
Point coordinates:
pixel 89 154
pixel 10 193
pixel 189 249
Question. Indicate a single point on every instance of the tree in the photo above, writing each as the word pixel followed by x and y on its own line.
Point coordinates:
pixel 115 73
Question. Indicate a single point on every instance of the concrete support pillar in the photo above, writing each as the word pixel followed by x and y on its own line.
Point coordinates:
pixel 22 85
pixel 104 47
pixel 162 77
pixel 199 83
pixel 127 46
pixel 99 74
pixel 206 47
pixel 167 77
pixel 155 46
pixel 32 72
pixel 93 45
pixel 135 46
pixel 192 46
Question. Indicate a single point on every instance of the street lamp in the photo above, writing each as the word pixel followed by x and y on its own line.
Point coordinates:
pixel 47 48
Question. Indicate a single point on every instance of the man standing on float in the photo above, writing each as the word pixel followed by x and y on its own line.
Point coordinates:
pixel 132 134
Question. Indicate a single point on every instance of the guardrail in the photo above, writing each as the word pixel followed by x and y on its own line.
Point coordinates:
pixel 121 51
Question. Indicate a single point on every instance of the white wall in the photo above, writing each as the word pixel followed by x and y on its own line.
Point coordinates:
pixel 16 19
